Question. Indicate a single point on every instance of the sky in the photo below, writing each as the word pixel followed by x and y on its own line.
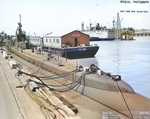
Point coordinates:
pixel 63 16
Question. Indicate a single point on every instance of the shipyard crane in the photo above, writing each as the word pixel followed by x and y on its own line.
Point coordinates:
pixel 118 27
pixel 116 23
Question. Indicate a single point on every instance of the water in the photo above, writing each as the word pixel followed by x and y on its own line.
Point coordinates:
pixel 130 59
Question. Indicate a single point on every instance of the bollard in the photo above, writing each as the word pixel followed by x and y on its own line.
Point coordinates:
pixel 5 55
pixel 12 64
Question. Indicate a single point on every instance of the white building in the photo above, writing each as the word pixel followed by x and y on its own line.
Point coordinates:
pixel 36 40
pixel 50 41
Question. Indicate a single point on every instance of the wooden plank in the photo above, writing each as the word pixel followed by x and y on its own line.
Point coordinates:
pixel 56 108
pixel 52 101
pixel 66 102
pixel 64 110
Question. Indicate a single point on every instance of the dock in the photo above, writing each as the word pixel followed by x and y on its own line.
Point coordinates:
pixel 20 103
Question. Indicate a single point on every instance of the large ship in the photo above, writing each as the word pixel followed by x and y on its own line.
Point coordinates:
pixel 99 33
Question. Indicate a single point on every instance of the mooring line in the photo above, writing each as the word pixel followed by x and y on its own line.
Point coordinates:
pixel 129 112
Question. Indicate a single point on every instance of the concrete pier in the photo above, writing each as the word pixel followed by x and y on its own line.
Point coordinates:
pixel 9 107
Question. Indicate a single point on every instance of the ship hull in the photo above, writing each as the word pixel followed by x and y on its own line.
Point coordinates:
pixel 101 39
pixel 101 35
pixel 74 52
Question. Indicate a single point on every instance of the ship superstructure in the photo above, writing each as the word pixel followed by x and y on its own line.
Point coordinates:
pixel 99 33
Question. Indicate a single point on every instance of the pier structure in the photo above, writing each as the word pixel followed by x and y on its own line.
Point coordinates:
pixel 142 32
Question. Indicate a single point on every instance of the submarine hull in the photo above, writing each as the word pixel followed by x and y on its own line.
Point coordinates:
pixel 116 95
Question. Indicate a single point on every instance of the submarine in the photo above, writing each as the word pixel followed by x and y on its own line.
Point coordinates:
pixel 104 88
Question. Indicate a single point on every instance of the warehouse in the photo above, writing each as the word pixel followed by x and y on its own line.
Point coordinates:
pixel 75 38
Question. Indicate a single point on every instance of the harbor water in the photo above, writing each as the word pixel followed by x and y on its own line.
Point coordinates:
pixel 130 59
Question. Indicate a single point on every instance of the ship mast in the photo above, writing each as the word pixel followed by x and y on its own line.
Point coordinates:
pixel 113 22
pixel 20 29
pixel 82 25
pixel 90 25
pixel 20 18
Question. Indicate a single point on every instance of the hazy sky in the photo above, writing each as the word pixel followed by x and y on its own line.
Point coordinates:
pixel 63 16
